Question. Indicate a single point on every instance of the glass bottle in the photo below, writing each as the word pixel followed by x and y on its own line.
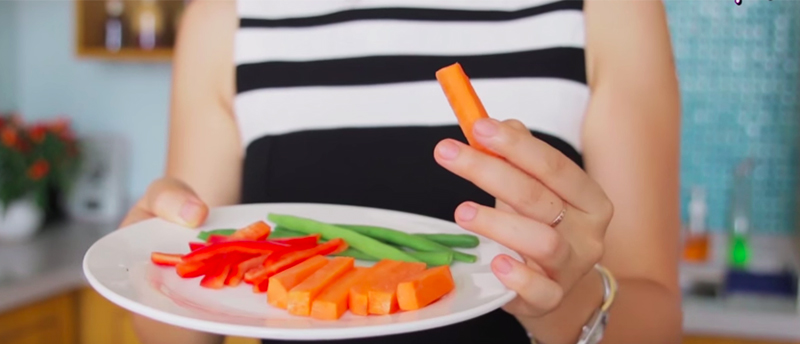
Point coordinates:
pixel 697 240
pixel 740 220
pixel 148 25
pixel 113 29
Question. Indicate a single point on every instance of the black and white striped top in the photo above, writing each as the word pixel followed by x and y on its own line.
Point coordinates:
pixel 337 102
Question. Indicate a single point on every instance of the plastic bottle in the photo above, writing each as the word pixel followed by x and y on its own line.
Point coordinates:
pixel 697 240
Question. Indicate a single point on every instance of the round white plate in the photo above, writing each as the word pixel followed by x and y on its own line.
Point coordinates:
pixel 118 266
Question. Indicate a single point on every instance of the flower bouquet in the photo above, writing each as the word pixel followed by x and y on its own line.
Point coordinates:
pixel 38 162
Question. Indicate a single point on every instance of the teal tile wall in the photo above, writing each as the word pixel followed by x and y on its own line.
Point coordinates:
pixel 739 73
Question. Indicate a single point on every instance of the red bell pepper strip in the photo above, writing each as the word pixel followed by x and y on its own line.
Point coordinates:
pixel 303 240
pixel 261 286
pixel 252 247
pixel 191 270
pixel 194 246
pixel 215 278
pixel 274 265
pixel 216 239
pixel 165 259
pixel 236 275
pixel 256 231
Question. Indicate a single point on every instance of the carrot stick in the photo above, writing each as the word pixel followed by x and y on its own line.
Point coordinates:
pixel 280 284
pixel 424 288
pixel 331 303
pixel 358 298
pixel 382 295
pixel 463 100
pixel 301 295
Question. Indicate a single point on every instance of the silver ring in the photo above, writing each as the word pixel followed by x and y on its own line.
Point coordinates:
pixel 559 218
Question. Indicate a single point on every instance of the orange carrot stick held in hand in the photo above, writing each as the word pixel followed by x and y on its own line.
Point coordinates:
pixel 464 101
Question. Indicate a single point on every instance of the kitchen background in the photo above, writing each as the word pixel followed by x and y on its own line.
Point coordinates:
pixel 739 68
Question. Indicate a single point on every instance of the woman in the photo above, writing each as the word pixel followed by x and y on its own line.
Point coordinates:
pixel 335 101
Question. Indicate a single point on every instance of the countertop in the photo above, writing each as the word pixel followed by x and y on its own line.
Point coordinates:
pixel 47 265
pixel 50 264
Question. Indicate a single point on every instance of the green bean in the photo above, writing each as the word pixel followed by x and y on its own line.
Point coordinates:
pixel 433 258
pixel 355 240
pixel 351 252
pixel 404 239
pixel 453 240
pixel 225 232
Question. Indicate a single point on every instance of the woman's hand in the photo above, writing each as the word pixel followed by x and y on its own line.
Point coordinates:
pixel 548 210
pixel 171 200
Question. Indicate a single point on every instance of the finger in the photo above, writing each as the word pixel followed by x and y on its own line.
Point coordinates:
pixel 525 194
pixel 540 293
pixel 517 125
pixel 137 214
pixel 532 239
pixel 174 201
pixel 544 162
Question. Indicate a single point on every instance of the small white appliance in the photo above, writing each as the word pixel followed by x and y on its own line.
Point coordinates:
pixel 100 192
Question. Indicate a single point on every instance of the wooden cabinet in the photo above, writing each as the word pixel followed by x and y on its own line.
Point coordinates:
pixel 85 317
pixel 51 321
pixel 92 25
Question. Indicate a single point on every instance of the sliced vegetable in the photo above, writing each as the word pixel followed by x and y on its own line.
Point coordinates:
pixel 192 269
pixel 166 259
pixel 215 278
pixel 358 241
pixel 331 302
pixel 278 263
pixel 358 298
pixel 256 231
pixel 353 253
pixel 382 295
pixel 301 295
pixel 401 238
pixel 236 274
pixel 254 247
pixel 216 239
pixel 194 246
pixel 453 240
pixel 281 283
pixel 306 240
pixel 204 235
pixel 464 101
pixel 433 258
pixel 424 288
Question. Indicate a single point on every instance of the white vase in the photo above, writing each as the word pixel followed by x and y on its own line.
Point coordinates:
pixel 20 220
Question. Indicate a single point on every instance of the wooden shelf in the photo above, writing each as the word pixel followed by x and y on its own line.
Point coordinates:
pixel 90 19
pixel 126 54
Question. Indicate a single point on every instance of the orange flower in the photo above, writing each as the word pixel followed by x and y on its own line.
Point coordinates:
pixel 9 136
pixel 38 133
pixel 39 169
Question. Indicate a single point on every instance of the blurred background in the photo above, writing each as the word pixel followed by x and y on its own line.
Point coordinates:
pixel 86 84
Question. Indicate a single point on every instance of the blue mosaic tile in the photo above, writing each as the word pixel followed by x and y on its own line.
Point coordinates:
pixel 739 68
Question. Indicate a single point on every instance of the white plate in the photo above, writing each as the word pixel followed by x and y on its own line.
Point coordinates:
pixel 118 266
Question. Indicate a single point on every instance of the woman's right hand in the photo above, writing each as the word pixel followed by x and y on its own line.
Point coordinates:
pixel 171 200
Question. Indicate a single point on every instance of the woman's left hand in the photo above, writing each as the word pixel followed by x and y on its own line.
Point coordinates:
pixel 548 210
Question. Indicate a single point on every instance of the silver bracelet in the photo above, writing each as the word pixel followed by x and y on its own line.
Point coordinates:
pixel 592 332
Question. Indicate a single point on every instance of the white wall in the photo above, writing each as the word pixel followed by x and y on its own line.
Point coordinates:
pixel 130 99
pixel 8 35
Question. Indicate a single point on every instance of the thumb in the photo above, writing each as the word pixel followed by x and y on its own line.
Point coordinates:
pixel 174 201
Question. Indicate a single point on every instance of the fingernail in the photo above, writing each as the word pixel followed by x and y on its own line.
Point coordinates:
pixel 466 212
pixel 502 266
pixel 485 127
pixel 448 150
pixel 191 211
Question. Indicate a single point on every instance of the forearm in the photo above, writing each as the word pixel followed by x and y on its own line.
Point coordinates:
pixel 152 332
pixel 643 312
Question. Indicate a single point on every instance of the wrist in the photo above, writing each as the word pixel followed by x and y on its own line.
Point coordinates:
pixel 565 323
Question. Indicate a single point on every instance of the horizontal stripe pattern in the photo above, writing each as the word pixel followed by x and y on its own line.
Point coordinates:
pixel 551 106
pixel 406 13
pixel 378 38
pixel 283 9
pixel 562 63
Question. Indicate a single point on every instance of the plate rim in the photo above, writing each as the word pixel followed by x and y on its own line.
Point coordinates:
pixel 304 334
